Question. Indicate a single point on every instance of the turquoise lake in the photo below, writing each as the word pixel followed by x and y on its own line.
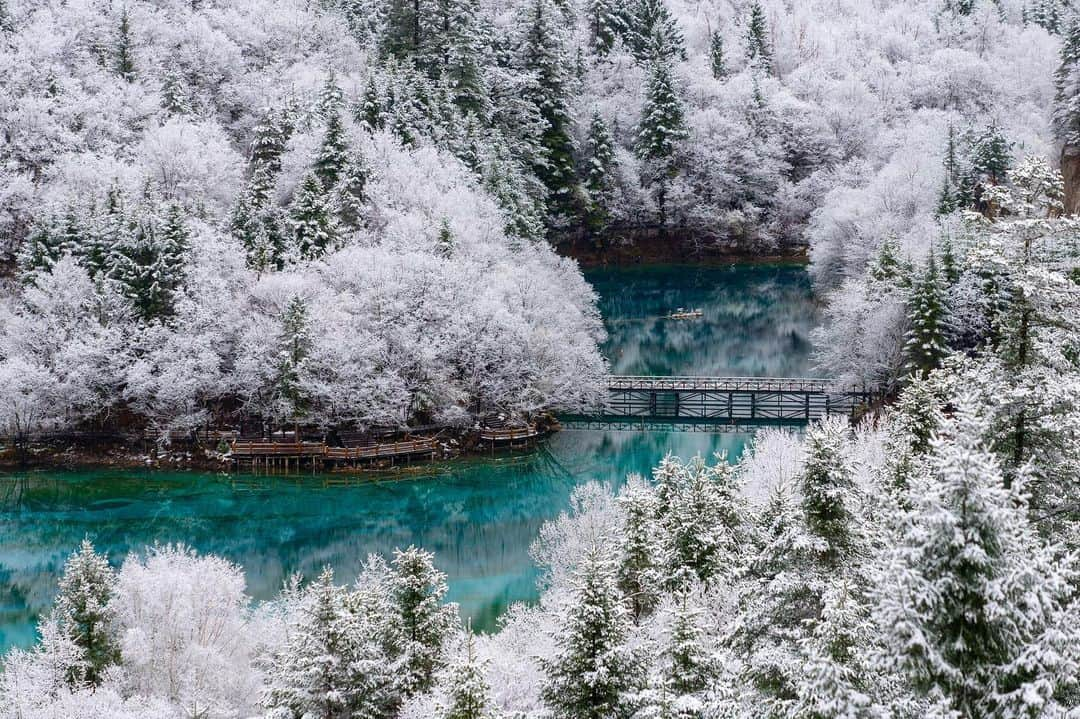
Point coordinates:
pixel 479 515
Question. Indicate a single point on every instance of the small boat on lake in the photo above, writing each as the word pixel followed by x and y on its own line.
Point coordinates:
pixel 684 314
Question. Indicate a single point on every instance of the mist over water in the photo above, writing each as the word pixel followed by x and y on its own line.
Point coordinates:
pixel 479 515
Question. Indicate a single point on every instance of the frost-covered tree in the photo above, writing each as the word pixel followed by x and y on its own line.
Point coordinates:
pixel 292 400
pixel 600 168
pixel 311 219
pixel 1067 88
pixel 333 155
pixel 607 23
pixel 422 622
pixel 175 97
pixel 654 33
pixel 717 60
pixel 828 493
pixel 702 523
pixel 595 670
pixel 972 603
pixel 125 61
pixel 991 156
pixel 82 613
pixel 642 560
pixel 543 52
pixel 467 690
pixel 758 45
pixel 331 666
pixel 926 344
pixel 659 133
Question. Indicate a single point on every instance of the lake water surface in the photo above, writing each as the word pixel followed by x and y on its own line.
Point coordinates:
pixel 479 515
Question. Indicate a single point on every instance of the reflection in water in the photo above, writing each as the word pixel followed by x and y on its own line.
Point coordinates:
pixel 478 515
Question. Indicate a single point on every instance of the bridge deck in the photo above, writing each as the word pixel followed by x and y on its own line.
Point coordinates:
pixel 714 401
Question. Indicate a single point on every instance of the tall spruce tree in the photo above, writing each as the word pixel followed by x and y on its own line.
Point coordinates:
pixel 125 61
pixel 991 156
pixel 661 129
pixel 464 67
pixel 600 173
pixel 1067 87
pixel 925 344
pixel 292 400
pixel 423 622
pixel 717 61
pixel 352 198
pixel 331 666
pixel 333 153
pixel 311 219
pixel 654 33
pixel 607 23
pixel 594 671
pixel 467 690
pixel 545 55
pixel 175 97
pixel 758 47
pixel 971 605
pixel 702 524
pixel 82 614
pixel 642 560
pixel 828 494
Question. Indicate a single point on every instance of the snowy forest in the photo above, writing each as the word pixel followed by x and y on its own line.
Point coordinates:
pixel 345 213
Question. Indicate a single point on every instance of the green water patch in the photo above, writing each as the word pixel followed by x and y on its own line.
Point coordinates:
pixel 479 515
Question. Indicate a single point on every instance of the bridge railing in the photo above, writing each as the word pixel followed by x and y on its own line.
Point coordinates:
pixel 731 384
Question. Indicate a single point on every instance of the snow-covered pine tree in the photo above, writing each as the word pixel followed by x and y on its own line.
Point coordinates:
pixel 51 240
pixel 654 33
pixel 1067 87
pixel 464 64
pixel 311 219
pixel 640 571
pixel 352 191
pixel 333 153
pixel 776 604
pixel 468 695
pixel 607 23
pixel 291 399
pixel 81 614
pixel 991 156
pixel 972 604
pixel 828 493
pixel 758 47
pixel 125 62
pixel 717 61
pixel 702 524
pixel 422 623
pixel 659 133
pixel 269 140
pixel 444 240
pixel 1047 14
pixel 543 53
pixel 691 667
pixel 401 36
pixel 600 173
pixel 175 97
pixel 331 96
pixel 925 344
pixel 331 667
pixel 172 257
pixel 594 672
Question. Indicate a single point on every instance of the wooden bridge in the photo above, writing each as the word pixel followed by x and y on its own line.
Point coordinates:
pixel 715 403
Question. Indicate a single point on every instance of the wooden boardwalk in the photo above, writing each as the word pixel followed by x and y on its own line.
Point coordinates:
pixel 641 402
pixel 275 456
